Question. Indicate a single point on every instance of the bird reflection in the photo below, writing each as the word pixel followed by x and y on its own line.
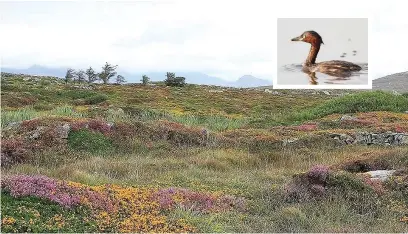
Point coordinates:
pixel 335 76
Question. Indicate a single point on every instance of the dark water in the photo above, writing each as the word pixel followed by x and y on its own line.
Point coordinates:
pixel 292 74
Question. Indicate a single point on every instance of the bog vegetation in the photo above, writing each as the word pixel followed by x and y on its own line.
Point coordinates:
pixel 174 157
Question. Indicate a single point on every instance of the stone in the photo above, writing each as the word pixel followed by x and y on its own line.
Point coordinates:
pixel 289 141
pixel 347 118
pixel 326 92
pixel 388 138
pixel 396 93
pixel 12 125
pixel 36 133
pixel 268 91
pixel 343 138
pixel 382 175
pixel 63 131
pixel 215 91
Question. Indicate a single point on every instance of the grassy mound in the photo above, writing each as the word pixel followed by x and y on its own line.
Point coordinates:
pixel 89 141
pixel 359 102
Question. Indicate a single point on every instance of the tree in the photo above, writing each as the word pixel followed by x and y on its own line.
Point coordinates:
pixel 145 80
pixel 80 76
pixel 69 75
pixel 91 75
pixel 172 80
pixel 171 75
pixel 108 71
pixel 120 79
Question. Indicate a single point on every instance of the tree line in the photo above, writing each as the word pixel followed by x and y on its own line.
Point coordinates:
pixel 109 71
pixel 90 76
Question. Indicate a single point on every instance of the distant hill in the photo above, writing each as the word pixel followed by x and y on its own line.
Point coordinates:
pixel 397 82
pixel 191 77
pixel 37 70
pixel 250 81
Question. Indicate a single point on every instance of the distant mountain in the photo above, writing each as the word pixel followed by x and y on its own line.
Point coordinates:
pixel 37 70
pixel 251 81
pixel 397 82
pixel 191 77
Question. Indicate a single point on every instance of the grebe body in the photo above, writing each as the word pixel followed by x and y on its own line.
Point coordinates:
pixel 329 67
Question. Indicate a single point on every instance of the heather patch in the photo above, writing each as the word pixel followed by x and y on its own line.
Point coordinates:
pixel 119 209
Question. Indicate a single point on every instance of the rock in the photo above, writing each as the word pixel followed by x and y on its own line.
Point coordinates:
pixel 343 138
pixel 286 142
pixel 215 91
pixel 111 125
pixel 36 133
pixel 275 92
pixel 347 118
pixel 326 92
pixel 397 139
pixel 382 175
pixel 396 93
pixel 12 125
pixel 389 138
pixel 63 131
pixel 268 91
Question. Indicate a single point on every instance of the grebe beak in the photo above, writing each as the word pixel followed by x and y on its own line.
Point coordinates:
pixel 299 38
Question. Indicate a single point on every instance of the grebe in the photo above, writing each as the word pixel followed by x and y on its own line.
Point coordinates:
pixel 334 67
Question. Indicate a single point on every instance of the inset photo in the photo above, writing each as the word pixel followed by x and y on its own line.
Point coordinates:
pixel 322 53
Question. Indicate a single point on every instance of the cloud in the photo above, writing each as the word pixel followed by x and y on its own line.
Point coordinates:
pixel 231 38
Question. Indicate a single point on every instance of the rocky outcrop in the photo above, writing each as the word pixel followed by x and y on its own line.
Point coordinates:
pixel 369 138
pixel 389 138
pixel 381 175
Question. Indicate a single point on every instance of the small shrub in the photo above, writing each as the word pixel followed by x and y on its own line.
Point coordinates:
pixel 96 99
pixel 100 126
pixel 44 82
pixel 13 151
pixel 40 186
pixel 90 141
pixel 318 174
pixel 308 186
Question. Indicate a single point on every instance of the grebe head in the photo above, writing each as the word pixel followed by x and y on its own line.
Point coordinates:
pixel 311 37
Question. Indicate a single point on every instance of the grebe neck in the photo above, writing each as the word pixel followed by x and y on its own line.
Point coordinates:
pixel 311 58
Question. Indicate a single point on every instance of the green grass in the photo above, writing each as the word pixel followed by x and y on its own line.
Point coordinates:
pixel 86 140
pixel 359 102
pixel 214 122
pixel 96 99
pixel 27 113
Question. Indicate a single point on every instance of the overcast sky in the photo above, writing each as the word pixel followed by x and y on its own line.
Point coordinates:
pixel 222 38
